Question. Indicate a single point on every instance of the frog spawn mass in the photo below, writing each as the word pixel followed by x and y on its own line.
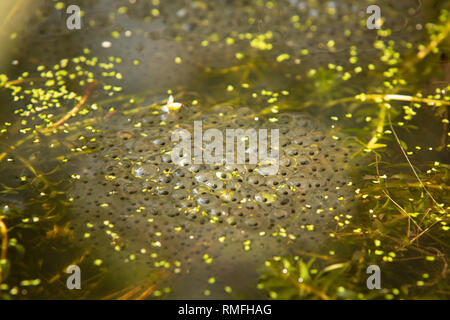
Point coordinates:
pixel 138 209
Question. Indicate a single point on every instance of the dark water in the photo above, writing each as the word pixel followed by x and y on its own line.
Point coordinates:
pixel 316 60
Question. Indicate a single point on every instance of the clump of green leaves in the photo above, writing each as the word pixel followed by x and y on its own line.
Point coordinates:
pixel 292 278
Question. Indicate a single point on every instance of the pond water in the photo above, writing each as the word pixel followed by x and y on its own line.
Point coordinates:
pixel 87 177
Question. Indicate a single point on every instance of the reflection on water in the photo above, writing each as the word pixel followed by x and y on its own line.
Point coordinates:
pixel 86 175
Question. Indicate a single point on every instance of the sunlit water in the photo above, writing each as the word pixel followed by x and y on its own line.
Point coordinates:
pixel 311 57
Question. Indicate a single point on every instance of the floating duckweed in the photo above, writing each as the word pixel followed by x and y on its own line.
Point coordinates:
pixel 282 57
pixel 98 262
pixel 59 5
pixel 128 204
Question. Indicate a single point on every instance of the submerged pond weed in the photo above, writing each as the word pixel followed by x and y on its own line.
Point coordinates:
pixel 85 171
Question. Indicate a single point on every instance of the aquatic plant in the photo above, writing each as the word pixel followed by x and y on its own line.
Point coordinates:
pixel 385 92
